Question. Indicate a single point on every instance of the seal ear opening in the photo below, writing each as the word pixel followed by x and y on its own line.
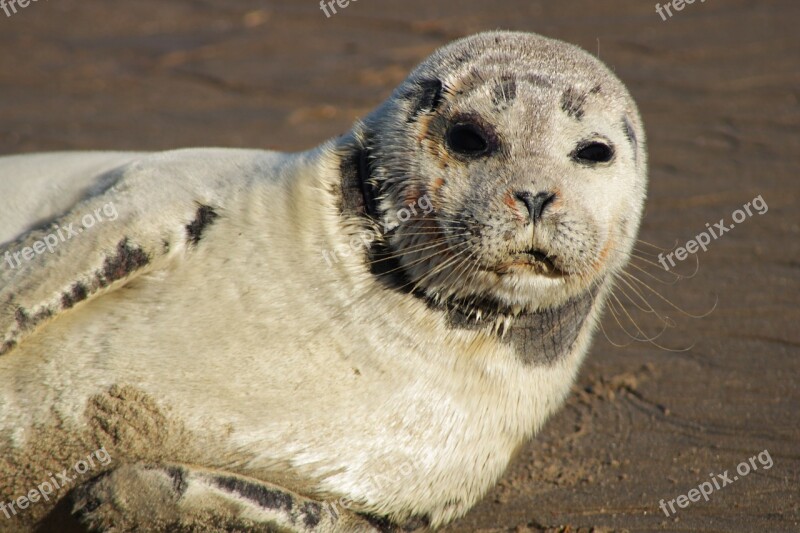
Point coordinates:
pixel 425 96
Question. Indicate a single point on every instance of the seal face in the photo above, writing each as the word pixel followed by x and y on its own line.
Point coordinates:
pixel 531 153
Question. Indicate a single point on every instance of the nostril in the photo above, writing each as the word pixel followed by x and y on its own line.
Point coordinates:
pixel 535 203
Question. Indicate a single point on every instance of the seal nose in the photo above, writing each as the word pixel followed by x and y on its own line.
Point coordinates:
pixel 536 203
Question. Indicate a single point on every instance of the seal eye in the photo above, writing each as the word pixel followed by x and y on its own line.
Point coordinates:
pixel 468 139
pixel 593 152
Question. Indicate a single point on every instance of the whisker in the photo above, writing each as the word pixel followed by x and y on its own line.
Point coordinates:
pixel 406 266
pixel 667 301
pixel 611 308
pixel 421 247
pixel 654 277
pixel 666 321
pixel 656 246
pixel 603 329
pixel 458 267
pixel 438 269
pixel 649 309
pixel 636 325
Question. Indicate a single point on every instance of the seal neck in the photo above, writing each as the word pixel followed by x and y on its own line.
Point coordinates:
pixel 541 337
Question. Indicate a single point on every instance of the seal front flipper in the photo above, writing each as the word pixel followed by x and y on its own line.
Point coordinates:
pixel 181 498
pixel 133 221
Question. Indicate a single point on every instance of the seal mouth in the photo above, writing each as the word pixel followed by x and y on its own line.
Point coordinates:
pixel 537 260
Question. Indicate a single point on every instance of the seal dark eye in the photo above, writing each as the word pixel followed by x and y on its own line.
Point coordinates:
pixel 593 152
pixel 468 139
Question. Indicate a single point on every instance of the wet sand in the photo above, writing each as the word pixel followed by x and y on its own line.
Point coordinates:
pixel 718 85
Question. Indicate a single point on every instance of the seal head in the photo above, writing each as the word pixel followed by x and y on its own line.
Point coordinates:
pixel 531 154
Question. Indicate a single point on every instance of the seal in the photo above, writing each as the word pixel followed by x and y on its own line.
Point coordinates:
pixel 357 337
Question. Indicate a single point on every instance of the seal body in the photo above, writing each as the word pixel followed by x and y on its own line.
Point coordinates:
pixel 379 322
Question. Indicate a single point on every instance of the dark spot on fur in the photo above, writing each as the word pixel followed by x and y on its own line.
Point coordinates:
pixel 357 191
pixel 546 336
pixel 7 346
pixel 76 294
pixel 630 134
pixel 358 197
pixel 42 315
pixel 504 92
pixel 25 321
pixel 22 318
pixel 178 476
pixel 352 199
pixel 204 217
pixel 176 473
pixel 369 189
pixel 351 193
pixel 126 261
pixel 417 522
pixel 264 496
pixel 312 513
pixel 572 101
pixel 384 525
pixel 537 80
pixel 360 192
pixel 385 265
pixel 425 95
